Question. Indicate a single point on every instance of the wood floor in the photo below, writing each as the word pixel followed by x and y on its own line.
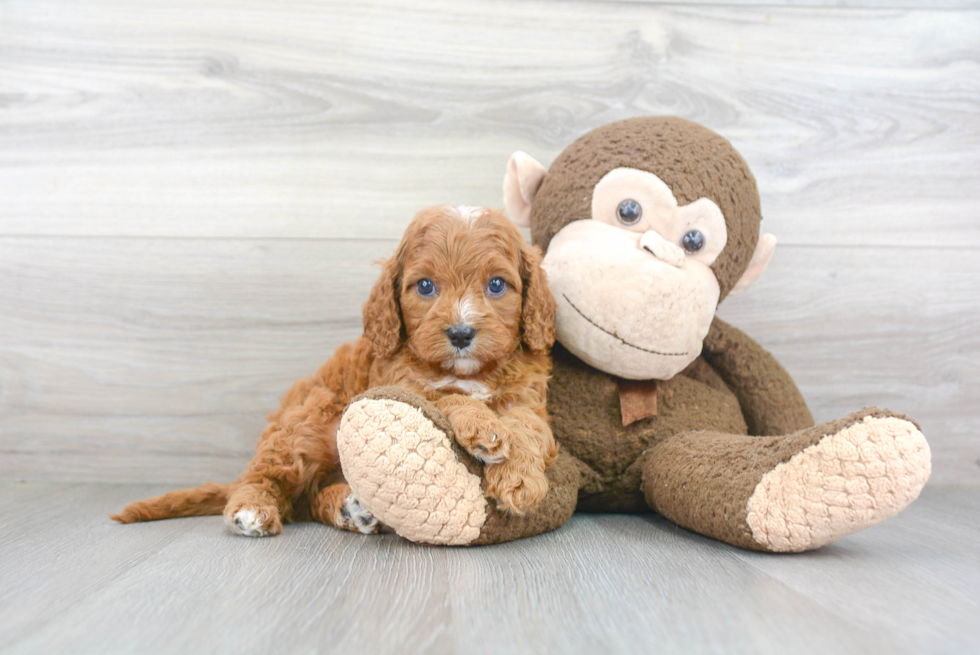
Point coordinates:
pixel 73 582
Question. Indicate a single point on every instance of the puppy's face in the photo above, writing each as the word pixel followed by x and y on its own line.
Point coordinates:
pixel 468 288
pixel 461 289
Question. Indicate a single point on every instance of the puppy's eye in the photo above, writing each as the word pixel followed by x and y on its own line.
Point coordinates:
pixel 629 212
pixel 496 287
pixel 425 287
pixel 693 241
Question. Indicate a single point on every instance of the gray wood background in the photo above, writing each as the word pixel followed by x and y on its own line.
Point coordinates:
pixel 192 194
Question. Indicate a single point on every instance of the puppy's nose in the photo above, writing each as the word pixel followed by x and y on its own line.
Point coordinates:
pixel 460 336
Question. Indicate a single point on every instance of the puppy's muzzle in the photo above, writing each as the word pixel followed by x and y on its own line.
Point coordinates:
pixel 460 337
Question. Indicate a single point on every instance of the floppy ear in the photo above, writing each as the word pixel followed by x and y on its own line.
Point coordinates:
pixel 382 311
pixel 538 314
pixel 521 183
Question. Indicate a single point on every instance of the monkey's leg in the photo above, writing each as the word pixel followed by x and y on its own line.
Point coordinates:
pixel 789 493
pixel 402 462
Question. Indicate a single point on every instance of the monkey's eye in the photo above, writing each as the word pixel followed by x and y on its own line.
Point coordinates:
pixel 496 287
pixel 693 241
pixel 425 287
pixel 629 212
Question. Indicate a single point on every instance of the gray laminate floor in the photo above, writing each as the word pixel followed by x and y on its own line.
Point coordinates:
pixel 73 582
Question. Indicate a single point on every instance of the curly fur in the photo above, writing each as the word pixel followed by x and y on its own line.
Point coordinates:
pixel 493 392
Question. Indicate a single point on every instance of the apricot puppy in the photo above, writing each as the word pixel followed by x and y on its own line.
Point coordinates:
pixel 461 315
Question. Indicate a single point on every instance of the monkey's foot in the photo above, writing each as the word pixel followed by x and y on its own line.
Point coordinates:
pixel 397 453
pixel 851 478
pixel 789 493
pixel 402 462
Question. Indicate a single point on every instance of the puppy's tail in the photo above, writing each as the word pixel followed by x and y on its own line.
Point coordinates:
pixel 208 499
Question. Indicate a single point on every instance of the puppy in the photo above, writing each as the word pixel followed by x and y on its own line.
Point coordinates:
pixel 462 315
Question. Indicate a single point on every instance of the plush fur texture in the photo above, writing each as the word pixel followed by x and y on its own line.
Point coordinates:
pixel 731 451
pixel 790 493
pixel 694 162
pixel 492 390
pixel 400 455
pixel 399 452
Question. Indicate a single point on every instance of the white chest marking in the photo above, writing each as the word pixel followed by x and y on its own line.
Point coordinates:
pixel 472 388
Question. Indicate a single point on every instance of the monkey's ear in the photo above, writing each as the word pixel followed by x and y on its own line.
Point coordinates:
pixel 760 259
pixel 382 311
pixel 521 183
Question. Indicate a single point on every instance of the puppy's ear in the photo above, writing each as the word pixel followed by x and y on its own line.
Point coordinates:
pixel 538 314
pixel 382 311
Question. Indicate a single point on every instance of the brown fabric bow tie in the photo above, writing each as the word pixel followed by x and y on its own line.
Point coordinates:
pixel 637 400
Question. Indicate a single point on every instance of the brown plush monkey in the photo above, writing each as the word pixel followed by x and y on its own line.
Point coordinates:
pixel 647 224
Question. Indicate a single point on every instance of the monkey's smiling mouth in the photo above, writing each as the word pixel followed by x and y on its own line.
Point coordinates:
pixel 616 336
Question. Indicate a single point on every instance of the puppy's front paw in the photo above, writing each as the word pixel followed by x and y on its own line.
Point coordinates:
pixel 516 491
pixel 356 518
pixel 487 441
pixel 250 521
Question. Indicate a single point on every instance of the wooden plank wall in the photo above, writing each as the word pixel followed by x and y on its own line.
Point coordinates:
pixel 192 194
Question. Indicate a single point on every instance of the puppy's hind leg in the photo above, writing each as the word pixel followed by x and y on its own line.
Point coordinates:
pixel 257 507
pixel 296 450
pixel 336 505
pixel 263 495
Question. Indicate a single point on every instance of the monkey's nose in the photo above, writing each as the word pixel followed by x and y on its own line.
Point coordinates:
pixel 460 337
pixel 665 251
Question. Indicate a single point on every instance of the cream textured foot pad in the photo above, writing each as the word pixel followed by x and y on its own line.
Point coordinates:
pixel 862 475
pixel 403 469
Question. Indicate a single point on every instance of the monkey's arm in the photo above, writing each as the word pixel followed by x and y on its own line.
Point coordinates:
pixel 770 401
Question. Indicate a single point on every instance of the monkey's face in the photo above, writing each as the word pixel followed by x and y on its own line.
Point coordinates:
pixel 634 285
pixel 646 223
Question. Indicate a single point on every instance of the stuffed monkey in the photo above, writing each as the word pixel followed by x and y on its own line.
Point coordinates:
pixel 646 225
